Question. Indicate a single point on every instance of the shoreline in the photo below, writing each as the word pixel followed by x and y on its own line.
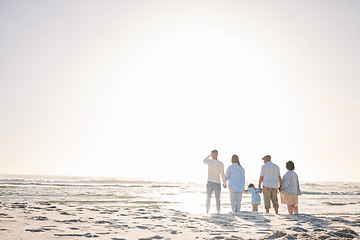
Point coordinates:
pixel 69 221
pixel 202 181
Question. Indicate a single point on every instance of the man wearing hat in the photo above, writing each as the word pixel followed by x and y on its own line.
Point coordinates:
pixel 271 179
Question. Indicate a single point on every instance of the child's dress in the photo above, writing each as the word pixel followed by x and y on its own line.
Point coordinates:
pixel 255 196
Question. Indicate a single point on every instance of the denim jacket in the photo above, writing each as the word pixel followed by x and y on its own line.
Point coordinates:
pixel 290 183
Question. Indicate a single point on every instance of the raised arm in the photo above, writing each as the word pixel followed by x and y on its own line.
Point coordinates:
pixel 207 158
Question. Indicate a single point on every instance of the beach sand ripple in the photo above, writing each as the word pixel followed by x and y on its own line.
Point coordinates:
pixel 64 221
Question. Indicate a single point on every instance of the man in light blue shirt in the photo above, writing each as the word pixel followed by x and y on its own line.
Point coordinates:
pixel 271 179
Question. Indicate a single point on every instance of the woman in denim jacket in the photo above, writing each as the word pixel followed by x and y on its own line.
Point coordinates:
pixel 290 188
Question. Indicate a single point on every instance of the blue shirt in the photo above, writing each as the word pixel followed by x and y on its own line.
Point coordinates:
pixel 235 174
pixel 255 196
pixel 290 183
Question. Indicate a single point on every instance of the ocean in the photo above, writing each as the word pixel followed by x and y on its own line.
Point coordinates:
pixel 320 198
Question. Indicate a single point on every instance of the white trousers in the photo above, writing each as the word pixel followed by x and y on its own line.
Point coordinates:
pixel 235 199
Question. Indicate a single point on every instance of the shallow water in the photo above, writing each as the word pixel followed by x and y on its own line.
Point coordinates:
pixel 317 197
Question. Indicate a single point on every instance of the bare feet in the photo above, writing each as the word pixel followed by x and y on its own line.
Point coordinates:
pixel 276 210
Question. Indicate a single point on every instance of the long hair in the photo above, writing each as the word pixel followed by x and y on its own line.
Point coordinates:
pixel 235 159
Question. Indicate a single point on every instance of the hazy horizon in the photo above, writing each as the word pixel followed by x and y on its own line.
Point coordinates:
pixel 146 89
pixel 136 179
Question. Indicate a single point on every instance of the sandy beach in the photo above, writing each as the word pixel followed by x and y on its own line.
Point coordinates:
pixel 141 120
pixel 68 221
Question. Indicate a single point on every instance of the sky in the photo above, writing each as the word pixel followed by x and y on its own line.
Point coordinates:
pixel 146 89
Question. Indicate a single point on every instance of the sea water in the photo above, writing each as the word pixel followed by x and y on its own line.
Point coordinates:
pixel 323 198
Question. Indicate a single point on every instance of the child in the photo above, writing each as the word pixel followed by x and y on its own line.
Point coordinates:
pixel 255 196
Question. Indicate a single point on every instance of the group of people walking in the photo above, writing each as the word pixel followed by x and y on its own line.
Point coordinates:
pixel 270 182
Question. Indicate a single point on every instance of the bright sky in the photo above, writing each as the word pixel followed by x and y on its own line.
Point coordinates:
pixel 146 89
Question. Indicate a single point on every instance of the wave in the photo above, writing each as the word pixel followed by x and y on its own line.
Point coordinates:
pixel 105 195
pixel 6 182
pixel 164 185
pixel 144 202
pixel 340 204
pixel 329 193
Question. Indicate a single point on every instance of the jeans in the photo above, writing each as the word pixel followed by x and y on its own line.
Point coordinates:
pixel 235 199
pixel 210 187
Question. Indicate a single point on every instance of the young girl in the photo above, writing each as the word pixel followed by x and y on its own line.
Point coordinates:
pixel 255 196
